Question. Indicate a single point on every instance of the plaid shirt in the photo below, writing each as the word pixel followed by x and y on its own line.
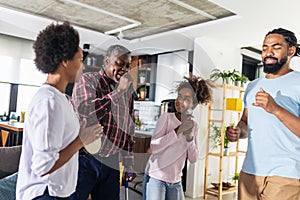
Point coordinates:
pixel 95 99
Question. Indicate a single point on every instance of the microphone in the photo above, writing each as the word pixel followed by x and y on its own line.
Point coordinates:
pixel 189 112
pixel 133 92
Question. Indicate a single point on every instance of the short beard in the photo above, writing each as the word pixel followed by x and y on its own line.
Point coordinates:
pixel 273 68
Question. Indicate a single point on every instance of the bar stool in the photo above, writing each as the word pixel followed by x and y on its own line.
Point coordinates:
pixel 4 137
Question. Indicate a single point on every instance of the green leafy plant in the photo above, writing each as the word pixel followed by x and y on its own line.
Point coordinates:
pixel 143 89
pixel 236 176
pixel 217 73
pixel 225 75
pixel 226 142
pixel 142 74
pixel 216 137
pixel 235 75
pixel 138 122
pixel 243 79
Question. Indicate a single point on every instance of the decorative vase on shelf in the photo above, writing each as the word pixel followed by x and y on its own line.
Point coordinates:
pixel 237 83
pixel 142 79
pixel 22 117
pixel 13 117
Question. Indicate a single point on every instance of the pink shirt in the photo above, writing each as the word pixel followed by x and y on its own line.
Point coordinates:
pixel 169 150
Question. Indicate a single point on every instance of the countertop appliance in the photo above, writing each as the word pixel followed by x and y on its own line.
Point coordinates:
pixel 167 105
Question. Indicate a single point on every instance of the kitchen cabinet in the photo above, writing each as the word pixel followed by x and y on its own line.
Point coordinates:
pixel 143 71
pixel 93 62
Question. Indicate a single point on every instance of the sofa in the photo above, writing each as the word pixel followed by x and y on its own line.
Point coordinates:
pixel 9 163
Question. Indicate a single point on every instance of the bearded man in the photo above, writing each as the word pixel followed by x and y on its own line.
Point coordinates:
pixel 270 120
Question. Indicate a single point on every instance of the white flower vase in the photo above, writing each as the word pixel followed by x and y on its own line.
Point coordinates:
pixel 237 83
pixel 142 79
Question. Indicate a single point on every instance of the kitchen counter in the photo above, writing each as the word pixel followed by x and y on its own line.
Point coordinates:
pixel 143 132
pixel 11 133
pixel 142 141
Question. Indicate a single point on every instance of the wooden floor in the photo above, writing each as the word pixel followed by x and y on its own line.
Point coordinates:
pixel 134 196
pixel 225 197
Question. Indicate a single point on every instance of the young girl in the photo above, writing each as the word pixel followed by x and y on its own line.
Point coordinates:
pixel 173 141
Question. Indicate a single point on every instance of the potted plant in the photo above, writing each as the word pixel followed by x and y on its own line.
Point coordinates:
pixel 215 74
pixel 223 74
pixel 244 79
pixel 142 77
pixel 143 93
pixel 236 176
pixel 138 123
pixel 216 138
pixel 226 146
pixel 235 77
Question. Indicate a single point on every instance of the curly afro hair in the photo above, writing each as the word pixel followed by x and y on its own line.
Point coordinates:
pixel 54 44
pixel 201 88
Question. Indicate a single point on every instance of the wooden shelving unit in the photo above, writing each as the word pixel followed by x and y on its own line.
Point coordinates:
pixel 93 63
pixel 145 64
pixel 221 119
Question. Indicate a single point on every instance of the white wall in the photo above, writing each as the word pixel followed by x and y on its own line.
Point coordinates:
pixel 171 68
pixel 211 52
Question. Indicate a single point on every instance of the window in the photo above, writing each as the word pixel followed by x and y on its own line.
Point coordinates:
pixel 7 71
pixel 19 78
pixel 25 94
pixel 30 79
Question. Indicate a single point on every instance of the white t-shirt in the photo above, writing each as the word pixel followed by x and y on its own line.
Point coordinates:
pixel 51 124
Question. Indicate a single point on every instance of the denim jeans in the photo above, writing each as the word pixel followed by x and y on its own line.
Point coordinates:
pixel 161 190
pixel 145 182
pixel 98 178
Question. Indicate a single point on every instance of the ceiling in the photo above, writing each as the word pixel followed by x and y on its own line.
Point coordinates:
pixel 130 19
pixel 170 27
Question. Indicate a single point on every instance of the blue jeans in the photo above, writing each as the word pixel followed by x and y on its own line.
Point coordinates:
pixel 145 182
pixel 46 196
pixel 161 190
pixel 99 177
